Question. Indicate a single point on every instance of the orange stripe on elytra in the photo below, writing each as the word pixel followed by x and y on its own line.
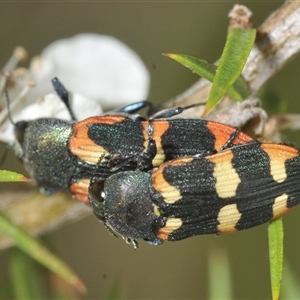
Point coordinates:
pixel 169 192
pixel 109 119
pixel 80 190
pixel 171 225
pixel 278 155
pixel 85 148
pixel 159 128
pixel 223 134
pixel 280 151
pixel 221 157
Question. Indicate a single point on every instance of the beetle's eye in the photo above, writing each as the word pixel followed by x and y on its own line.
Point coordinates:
pixel 97 199
pixel 20 128
pixel 96 191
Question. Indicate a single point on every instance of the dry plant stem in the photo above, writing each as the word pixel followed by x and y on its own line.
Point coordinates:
pixel 38 213
pixel 278 42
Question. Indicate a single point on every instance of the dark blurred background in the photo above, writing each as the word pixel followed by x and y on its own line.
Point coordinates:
pixel 174 270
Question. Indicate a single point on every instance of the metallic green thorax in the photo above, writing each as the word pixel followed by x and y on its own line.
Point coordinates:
pixel 46 154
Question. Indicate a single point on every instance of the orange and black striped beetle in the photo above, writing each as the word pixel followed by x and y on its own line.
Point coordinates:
pixel 66 156
pixel 232 190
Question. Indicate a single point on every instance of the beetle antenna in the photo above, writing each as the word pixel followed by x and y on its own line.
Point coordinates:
pixel 63 95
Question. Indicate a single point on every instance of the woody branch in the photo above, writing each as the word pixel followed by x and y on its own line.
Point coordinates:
pixel 277 43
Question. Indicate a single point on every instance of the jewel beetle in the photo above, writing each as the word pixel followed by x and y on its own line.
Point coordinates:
pixel 235 189
pixel 66 156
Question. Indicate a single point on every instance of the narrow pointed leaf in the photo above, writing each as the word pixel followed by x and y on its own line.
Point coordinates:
pixel 115 292
pixel 196 65
pixel 220 279
pixel 275 231
pixel 40 253
pixel 236 51
pixel 24 276
pixel 238 92
pixel 8 176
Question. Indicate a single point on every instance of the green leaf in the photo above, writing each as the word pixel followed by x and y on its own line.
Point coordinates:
pixel 236 51
pixel 25 276
pixel 40 253
pixel 238 92
pixel 115 292
pixel 197 65
pixel 220 279
pixel 8 176
pixel 275 231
